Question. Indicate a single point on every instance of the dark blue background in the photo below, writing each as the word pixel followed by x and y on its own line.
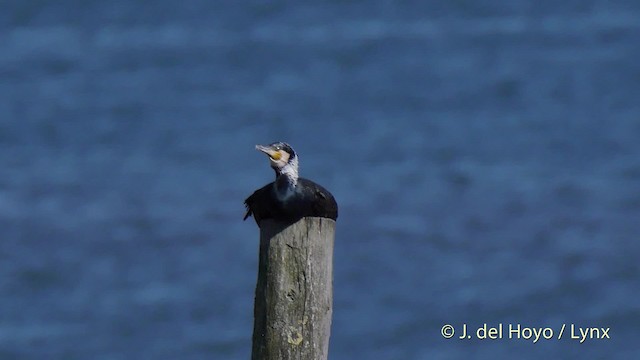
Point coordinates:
pixel 485 157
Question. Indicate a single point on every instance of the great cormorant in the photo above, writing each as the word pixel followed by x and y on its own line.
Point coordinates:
pixel 290 197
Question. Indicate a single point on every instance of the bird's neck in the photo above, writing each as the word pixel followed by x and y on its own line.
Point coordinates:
pixel 286 181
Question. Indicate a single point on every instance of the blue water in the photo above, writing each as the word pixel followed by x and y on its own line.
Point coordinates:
pixel 485 158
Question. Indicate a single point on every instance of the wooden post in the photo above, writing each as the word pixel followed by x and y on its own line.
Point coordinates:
pixel 294 293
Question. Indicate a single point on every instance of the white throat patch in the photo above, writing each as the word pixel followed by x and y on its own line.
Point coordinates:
pixel 287 181
pixel 291 171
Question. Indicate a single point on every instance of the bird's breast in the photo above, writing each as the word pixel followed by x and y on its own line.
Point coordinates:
pixel 284 194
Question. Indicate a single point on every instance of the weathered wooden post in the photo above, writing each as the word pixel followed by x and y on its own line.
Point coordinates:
pixel 294 293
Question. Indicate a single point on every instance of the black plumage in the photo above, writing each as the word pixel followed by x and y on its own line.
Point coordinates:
pixel 309 199
pixel 289 198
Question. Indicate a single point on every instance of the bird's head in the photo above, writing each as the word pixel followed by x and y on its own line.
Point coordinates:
pixel 282 157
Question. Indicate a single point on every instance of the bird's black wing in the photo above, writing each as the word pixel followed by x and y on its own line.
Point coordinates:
pixel 316 200
pixel 256 203
pixel 262 204
pixel 311 199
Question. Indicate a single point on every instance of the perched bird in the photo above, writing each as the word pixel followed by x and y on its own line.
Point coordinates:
pixel 290 197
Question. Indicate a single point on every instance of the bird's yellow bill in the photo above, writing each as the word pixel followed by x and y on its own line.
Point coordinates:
pixel 275 155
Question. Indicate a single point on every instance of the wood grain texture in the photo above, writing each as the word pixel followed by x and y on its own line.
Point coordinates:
pixel 294 292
